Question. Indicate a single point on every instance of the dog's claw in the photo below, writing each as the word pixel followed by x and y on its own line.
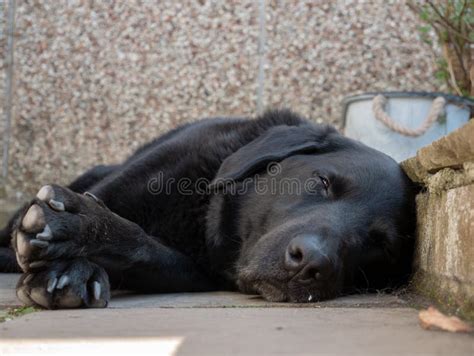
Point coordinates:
pixel 56 205
pixel 63 281
pixel 97 289
pixel 92 196
pixel 37 264
pixel 52 284
pixel 39 243
pixel 46 234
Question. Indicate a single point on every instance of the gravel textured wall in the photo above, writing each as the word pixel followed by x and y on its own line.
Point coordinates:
pixel 95 79
pixel 3 58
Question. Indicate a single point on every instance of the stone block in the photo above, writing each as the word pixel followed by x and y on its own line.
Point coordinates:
pixel 444 260
pixel 450 151
pixel 444 255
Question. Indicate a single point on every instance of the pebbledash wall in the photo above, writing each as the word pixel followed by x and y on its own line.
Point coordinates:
pixel 93 80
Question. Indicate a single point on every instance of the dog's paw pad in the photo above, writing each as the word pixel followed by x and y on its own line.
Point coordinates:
pixel 34 219
pixel 46 193
pixel 23 245
pixel 40 297
pixel 70 300
pixel 24 297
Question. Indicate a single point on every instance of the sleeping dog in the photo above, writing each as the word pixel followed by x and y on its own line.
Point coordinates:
pixel 274 205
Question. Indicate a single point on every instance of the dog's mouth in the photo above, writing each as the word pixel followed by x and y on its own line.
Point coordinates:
pixel 265 269
pixel 290 291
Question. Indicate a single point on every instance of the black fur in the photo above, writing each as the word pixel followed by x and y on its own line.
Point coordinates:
pixel 154 238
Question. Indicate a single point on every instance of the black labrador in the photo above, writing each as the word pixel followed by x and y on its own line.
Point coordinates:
pixel 274 205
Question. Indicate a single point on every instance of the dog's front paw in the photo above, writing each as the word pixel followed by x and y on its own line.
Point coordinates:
pixel 57 224
pixel 66 284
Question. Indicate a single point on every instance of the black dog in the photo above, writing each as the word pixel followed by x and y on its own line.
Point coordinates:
pixel 274 205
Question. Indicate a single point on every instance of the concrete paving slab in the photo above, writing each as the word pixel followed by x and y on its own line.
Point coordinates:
pixel 224 323
pixel 220 331
pixel 210 300
pixel 7 289
pixel 238 300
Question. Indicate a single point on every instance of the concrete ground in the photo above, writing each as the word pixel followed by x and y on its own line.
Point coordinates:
pixel 225 324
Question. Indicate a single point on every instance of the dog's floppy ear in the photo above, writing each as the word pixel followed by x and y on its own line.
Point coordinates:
pixel 274 145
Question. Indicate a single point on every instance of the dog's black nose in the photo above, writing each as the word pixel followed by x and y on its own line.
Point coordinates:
pixel 305 258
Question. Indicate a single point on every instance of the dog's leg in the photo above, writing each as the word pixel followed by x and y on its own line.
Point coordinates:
pixel 61 224
pixel 94 175
pixel 82 183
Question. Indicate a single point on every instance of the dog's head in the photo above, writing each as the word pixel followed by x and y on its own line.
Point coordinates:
pixel 311 214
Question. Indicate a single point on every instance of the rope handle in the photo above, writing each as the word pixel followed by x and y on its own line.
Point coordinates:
pixel 436 110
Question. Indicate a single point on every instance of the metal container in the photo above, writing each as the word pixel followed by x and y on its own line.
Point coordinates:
pixel 400 123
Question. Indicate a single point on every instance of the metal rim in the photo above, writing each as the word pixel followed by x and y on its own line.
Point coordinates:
pixel 450 98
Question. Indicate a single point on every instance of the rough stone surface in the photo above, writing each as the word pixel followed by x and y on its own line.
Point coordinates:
pixel 233 331
pixel 445 247
pixel 450 151
pixel 445 178
pixel 444 261
pixel 414 170
pixel 96 79
pixel 448 178
pixel 320 52
pixel 7 290
pixel 3 52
